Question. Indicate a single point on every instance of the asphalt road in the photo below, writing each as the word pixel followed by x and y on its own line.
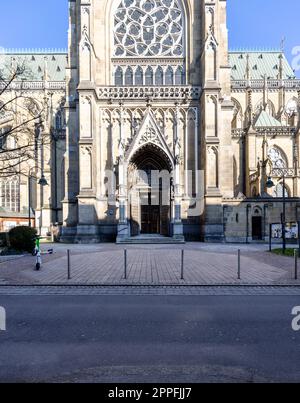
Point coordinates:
pixel 149 339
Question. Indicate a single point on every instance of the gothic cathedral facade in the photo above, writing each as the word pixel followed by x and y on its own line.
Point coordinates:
pixel 148 89
pixel 166 133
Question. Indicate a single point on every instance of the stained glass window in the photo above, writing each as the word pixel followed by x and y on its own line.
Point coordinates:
pixel 10 194
pixel 129 76
pixel 138 76
pixel 149 28
pixel 149 76
pixel 179 76
pixel 169 76
pixel 159 74
pixel 119 76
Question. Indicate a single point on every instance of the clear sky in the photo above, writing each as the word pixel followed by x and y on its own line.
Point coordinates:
pixel 263 24
pixel 252 23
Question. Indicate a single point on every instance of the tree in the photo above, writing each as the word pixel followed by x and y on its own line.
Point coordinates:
pixel 21 121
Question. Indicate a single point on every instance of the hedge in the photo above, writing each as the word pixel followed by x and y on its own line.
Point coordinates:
pixel 22 238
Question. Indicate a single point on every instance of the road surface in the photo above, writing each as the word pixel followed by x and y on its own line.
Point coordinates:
pixel 138 338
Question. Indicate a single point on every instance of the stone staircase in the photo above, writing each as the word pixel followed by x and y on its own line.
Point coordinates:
pixel 150 239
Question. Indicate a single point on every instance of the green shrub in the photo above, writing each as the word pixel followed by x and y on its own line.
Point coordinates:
pixel 22 238
pixel 3 239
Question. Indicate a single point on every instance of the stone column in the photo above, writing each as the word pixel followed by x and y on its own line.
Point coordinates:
pixel 196 152
pixel 123 227
pixel 216 116
pixel 177 225
pixel 70 202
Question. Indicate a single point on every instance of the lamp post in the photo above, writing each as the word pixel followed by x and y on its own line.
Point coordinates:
pixel 55 138
pixel 29 196
pixel 270 184
pixel 41 182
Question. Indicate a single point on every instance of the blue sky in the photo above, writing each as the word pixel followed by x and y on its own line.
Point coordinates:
pixel 263 24
pixel 252 23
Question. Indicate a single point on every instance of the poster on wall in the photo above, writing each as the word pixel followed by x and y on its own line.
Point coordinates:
pixel 291 230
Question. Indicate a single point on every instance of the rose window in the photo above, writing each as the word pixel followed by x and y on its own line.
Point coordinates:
pixel 145 28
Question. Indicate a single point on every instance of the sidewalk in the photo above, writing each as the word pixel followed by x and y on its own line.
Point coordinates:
pixel 103 264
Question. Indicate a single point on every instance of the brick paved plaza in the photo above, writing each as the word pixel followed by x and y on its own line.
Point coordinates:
pixel 103 264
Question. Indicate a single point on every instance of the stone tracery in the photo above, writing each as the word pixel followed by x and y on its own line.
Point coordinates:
pixel 148 28
pixel 277 158
pixel 153 30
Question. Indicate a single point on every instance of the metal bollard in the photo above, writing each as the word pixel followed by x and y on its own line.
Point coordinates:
pixel 38 263
pixel 239 264
pixel 296 263
pixel 299 238
pixel 182 265
pixel 69 264
pixel 125 264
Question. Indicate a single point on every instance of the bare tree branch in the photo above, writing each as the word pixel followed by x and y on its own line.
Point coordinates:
pixel 21 121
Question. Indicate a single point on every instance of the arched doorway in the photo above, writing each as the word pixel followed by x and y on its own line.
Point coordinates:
pixel 149 187
pixel 257 225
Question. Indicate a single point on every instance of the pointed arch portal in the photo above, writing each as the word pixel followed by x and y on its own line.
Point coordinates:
pixel 149 185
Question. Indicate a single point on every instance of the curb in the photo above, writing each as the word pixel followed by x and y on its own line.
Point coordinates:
pixel 74 285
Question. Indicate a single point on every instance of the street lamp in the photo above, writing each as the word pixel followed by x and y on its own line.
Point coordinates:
pixel 41 182
pixel 270 184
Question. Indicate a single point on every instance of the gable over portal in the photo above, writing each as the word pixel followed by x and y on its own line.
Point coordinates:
pixel 149 133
